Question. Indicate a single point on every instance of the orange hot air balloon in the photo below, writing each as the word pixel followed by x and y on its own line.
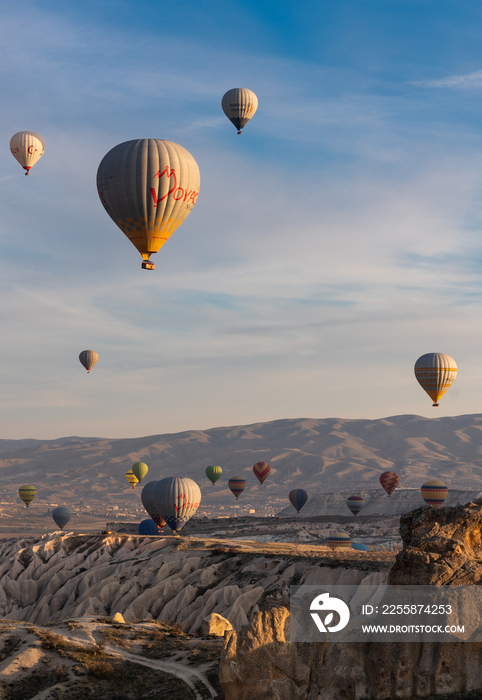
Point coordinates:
pixel 389 481
pixel 261 471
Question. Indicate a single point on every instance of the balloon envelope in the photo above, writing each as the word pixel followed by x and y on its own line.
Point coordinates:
pixel 27 147
pixel 435 372
pixel 213 473
pixel 148 527
pixel 360 547
pixel 237 485
pixel 139 469
pixel 61 516
pixel 434 492
pixel 298 498
pixel 88 358
pixel 389 481
pixel 339 539
pixel 239 105
pixel 355 504
pixel 176 500
pixel 27 493
pixel 131 478
pixel 149 505
pixel 261 471
pixel 148 187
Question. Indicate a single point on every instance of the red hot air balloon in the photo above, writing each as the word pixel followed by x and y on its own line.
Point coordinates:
pixel 389 481
pixel 237 485
pixel 261 471
pixel 355 504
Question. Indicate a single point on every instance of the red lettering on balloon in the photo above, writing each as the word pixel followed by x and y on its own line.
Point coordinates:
pixel 182 504
pixel 169 174
pixel 181 196
pixel 102 198
pixel 29 149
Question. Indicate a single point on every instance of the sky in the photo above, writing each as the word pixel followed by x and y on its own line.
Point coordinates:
pixel 332 244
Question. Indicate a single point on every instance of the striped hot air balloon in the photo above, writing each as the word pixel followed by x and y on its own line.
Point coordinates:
pixel 131 478
pixel 237 485
pixel 88 358
pixel 339 540
pixel 27 147
pixel 435 372
pixel 148 187
pixel 27 493
pixel 355 504
pixel 298 498
pixel 239 105
pixel 389 481
pixel 434 493
pixel 261 471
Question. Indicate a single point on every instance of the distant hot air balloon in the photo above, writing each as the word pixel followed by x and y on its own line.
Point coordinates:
pixel 131 478
pixel 237 485
pixel 298 498
pixel 27 147
pixel 148 527
pixel 434 493
pixel 150 507
pixel 360 547
pixel 176 499
pixel 27 493
pixel 88 358
pixel 61 516
pixel 148 187
pixel 355 504
pixel 239 105
pixel 139 469
pixel 435 372
pixel 261 471
pixel 339 540
pixel 213 473
pixel 389 481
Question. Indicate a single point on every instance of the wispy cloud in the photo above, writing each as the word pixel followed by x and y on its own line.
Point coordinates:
pixel 469 80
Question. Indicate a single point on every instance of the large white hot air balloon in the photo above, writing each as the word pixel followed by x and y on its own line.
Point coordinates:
pixel 435 372
pixel 239 105
pixel 148 187
pixel 27 147
pixel 175 499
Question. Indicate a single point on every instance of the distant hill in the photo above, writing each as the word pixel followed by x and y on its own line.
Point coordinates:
pixel 315 454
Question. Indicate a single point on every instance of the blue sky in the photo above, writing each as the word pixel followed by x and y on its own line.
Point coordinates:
pixel 332 244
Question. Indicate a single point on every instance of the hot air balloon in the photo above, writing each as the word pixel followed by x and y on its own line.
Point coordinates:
pixel 148 527
pixel 148 503
pixel 27 147
pixel 61 516
pixel 148 187
pixel 355 504
pixel 339 540
pixel 213 473
pixel 139 469
pixel 132 478
pixel 27 493
pixel 176 499
pixel 88 358
pixel 360 547
pixel 435 372
pixel 298 498
pixel 389 481
pixel 237 485
pixel 434 492
pixel 239 105
pixel 261 471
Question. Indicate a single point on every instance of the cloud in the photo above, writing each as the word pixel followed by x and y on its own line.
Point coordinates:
pixel 469 80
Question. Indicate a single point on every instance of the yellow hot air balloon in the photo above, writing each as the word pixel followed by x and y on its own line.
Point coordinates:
pixel 148 187
pixel 27 493
pixel 132 478
pixel 27 147
pixel 239 105
pixel 435 372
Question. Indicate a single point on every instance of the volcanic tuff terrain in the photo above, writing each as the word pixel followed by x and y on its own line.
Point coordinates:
pixel 318 455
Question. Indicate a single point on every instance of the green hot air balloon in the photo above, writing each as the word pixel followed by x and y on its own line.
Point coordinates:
pixel 139 469
pixel 213 473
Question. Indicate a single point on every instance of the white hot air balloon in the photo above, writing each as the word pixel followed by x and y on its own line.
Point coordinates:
pixel 27 147
pixel 435 372
pixel 148 187
pixel 239 105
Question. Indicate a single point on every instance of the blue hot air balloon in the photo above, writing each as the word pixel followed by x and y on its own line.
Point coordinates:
pixel 148 527
pixel 61 516
pixel 298 498
pixel 175 499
